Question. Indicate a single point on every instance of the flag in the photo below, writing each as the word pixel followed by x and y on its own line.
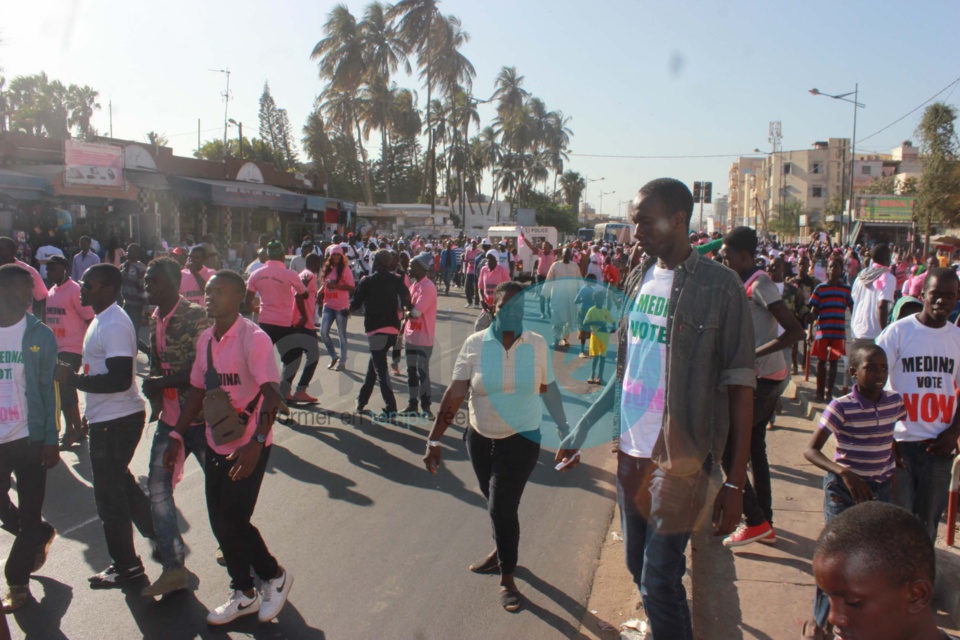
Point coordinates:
pixel 520 242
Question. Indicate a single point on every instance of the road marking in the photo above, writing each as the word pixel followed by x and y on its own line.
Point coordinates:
pixel 79 526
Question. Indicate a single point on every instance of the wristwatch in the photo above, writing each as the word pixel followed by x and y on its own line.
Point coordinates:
pixel 259 437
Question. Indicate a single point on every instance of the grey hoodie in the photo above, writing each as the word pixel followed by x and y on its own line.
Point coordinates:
pixel 871 273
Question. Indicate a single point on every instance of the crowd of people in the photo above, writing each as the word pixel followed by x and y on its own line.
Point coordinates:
pixel 707 331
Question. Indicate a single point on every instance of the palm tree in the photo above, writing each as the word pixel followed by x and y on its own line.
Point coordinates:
pixel 156 139
pixel 315 140
pixel 82 102
pixel 342 63
pixel 557 143
pixel 572 184
pixel 377 99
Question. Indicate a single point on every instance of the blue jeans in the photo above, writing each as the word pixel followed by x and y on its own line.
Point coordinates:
pixel 658 511
pixel 159 483
pixel 326 322
pixel 836 500
pixel 923 484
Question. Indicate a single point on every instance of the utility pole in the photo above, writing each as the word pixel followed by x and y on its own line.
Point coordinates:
pixel 110 108
pixel 702 192
pixel 775 138
pixel 226 106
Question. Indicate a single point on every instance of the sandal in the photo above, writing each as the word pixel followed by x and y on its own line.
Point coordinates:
pixel 510 599
pixel 487 565
pixel 333 363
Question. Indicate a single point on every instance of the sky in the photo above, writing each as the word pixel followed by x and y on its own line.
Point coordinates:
pixel 686 79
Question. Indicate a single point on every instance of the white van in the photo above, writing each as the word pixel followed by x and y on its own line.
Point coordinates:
pixel 525 257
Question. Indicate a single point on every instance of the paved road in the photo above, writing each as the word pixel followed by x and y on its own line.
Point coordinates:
pixel 378 547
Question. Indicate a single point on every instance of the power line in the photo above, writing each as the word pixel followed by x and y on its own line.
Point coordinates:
pixel 678 157
pixel 910 112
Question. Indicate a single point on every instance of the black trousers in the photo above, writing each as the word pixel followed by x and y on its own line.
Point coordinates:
pixel 418 374
pixel 230 505
pixel 380 345
pixel 21 458
pixel 503 467
pixel 121 503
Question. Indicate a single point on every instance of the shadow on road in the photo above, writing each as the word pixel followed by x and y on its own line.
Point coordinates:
pixel 576 610
pixel 41 620
pixel 338 487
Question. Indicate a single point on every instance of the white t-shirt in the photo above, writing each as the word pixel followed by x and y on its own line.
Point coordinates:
pixel 865 320
pixel 644 380
pixel 504 385
pixel 43 254
pixel 13 388
pixel 923 369
pixel 110 335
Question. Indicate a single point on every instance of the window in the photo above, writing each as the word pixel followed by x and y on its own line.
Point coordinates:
pixel 865 170
pixel 786 169
pixel 817 168
pixel 816 192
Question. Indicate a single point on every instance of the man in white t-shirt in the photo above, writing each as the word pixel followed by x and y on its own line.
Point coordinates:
pixel 115 416
pixel 923 352
pixel 872 293
pixel 699 308
pixel 28 430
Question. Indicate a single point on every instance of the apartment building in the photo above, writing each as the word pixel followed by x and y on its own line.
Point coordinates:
pixel 743 209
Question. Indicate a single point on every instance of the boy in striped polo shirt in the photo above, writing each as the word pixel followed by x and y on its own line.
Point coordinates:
pixel 828 306
pixel 862 422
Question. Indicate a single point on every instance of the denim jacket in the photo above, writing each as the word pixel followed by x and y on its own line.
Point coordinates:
pixel 39 362
pixel 710 347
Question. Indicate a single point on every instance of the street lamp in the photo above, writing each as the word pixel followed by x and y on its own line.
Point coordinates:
pixel 622 202
pixel 239 125
pixel 603 193
pixel 853 142
pixel 586 183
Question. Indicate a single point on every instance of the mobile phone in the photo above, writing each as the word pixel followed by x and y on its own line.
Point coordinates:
pixel 563 465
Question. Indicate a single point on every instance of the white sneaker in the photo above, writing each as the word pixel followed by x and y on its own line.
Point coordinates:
pixel 275 594
pixel 236 606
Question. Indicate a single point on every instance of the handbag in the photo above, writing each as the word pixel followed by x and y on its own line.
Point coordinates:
pixel 226 423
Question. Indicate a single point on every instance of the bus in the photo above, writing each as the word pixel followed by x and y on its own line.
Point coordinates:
pixel 613 232
pixel 585 234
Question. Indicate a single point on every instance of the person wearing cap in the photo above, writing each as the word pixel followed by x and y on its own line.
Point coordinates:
pixel 68 319
pixel 470 273
pixel 418 335
pixel 338 283
pixel 180 255
pixel 504 257
pixel 491 274
pixel 193 279
pixel 279 289
pixel 768 313
pixel 561 288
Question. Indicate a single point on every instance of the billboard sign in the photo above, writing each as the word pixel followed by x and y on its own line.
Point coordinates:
pixel 89 164
pixel 884 209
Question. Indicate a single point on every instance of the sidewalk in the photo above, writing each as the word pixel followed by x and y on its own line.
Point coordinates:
pixel 757 591
pixel 773 585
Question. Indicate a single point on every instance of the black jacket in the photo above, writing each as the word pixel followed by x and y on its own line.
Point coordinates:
pixel 382 295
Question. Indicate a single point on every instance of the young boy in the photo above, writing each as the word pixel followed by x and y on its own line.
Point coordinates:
pixel 863 422
pixel 584 302
pixel 599 321
pixel 828 306
pixel 876 565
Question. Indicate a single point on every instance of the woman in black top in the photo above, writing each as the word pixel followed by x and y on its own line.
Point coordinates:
pixel 382 295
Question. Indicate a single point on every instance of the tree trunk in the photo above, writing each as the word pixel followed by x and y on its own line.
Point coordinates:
pixel 367 187
pixel 385 162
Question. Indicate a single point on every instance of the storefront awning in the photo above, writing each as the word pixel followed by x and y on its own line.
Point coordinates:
pixel 21 186
pixel 149 179
pixel 321 204
pixel 228 193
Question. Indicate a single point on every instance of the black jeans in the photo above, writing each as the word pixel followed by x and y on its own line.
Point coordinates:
pixel 22 458
pixel 311 349
pixel 471 288
pixel 121 503
pixel 418 374
pixel 230 505
pixel 758 496
pixel 503 467
pixel 380 345
pixel 289 353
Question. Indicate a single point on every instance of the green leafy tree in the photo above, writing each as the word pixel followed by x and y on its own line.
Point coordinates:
pixel 786 222
pixel 882 186
pixel 572 184
pixel 81 103
pixel 939 183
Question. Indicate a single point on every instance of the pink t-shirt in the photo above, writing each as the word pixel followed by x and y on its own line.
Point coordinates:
pixel 309 280
pixel 546 261
pixel 190 288
pixel 67 317
pixel 276 285
pixel 421 331
pixel 488 280
pixel 39 289
pixel 338 299
pixel 244 359
pixel 470 257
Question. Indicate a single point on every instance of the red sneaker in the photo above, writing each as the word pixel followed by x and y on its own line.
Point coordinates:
pixel 303 396
pixel 745 535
